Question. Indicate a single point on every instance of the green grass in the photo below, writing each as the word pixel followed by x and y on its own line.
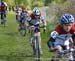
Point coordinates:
pixel 14 47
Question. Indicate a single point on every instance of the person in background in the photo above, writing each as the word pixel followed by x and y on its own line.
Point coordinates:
pixel 3 10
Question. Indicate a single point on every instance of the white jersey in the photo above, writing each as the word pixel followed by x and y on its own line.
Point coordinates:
pixel 3 6
pixel 35 21
pixel 18 11
pixel 62 37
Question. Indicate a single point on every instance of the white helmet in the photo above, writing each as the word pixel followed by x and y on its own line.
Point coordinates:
pixel 36 11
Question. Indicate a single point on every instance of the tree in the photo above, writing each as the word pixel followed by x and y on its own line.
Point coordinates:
pixel 60 1
pixel 10 2
pixel 37 3
pixel 46 2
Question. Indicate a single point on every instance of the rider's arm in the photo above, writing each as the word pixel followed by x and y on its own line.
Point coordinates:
pixel 71 40
pixel 6 5
pixel 28 21
pixel 73 37
pixel 53 36
pixel 50 42
pixel 44 22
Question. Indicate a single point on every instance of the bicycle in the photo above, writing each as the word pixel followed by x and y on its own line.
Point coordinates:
pixel 64 55
pixel 23 25
pixel 35 42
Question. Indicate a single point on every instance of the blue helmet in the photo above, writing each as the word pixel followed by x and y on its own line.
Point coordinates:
pixel 66 19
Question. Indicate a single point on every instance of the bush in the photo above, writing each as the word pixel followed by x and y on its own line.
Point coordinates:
pixel 56 10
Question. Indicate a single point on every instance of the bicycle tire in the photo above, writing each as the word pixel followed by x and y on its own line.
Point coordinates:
pixel 23 31
pixel 37 50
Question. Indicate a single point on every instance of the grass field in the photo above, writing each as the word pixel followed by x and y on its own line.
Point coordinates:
pixel 14 47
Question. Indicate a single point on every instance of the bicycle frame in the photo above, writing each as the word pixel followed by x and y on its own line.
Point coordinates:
pixel 35 44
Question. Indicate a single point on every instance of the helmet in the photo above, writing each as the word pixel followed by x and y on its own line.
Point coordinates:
pixel 66 19
pixel 24 8
pixel 36 12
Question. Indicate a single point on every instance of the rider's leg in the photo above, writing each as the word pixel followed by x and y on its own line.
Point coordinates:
pixel 58 47
pixel 20 25
pixel 66 44
pixel 5 16
pixel 32 37
pixel 1 17
pixel 31 40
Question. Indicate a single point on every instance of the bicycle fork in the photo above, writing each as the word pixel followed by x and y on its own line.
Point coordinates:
pixel 36 48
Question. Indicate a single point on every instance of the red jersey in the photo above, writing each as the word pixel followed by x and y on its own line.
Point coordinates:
pixel 61 31
pixel 33 16
pixel 3 6
pixel 34 20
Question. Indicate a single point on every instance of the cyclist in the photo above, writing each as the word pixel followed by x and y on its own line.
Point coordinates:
pixel 3 10
pixel 18 11
pixel 23 16
pixel 61 37
pixel 23 13
pixel 36 17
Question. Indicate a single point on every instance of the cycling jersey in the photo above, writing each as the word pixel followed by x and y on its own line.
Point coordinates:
pixel 23 16
pixel 61 36
pixel 3 6
pixel 59 27
pixel 35 21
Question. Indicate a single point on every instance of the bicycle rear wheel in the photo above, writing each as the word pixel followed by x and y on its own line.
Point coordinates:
pixel 23 30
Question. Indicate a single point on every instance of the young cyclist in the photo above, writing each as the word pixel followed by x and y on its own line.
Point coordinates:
pixel 23 13
pixel 23 16
pixel 18 12
pixel 3 10
pixel 61 37
pixel 36 17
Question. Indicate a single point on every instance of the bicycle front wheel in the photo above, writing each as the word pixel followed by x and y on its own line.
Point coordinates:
pixel 37 49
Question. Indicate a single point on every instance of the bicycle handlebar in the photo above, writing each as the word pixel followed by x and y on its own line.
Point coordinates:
pixel 66 51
